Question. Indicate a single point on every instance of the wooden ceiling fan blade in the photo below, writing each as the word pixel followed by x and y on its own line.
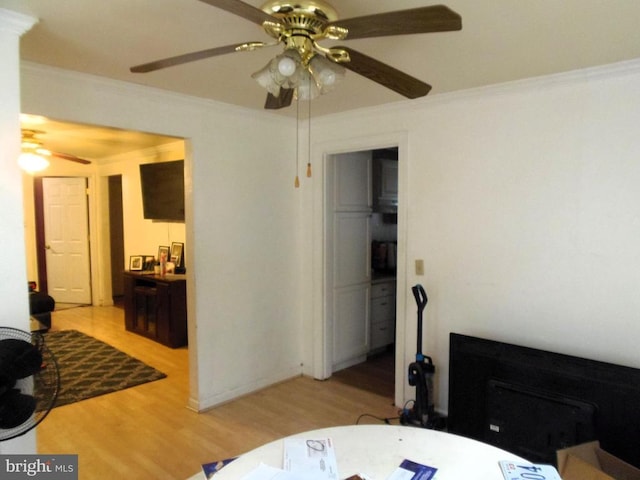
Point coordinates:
pixel 72 158
pixel 281 101
pixel 243 10
pixel 189 57
pixel 385 75
pixel 436 18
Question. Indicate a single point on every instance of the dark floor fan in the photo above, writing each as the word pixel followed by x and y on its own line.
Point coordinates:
pixel 29 381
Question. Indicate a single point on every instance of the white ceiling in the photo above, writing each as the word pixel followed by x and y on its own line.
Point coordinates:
pixel 500 41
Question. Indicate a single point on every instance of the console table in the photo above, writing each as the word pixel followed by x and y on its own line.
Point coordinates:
pixel 376 450
pixel 156 307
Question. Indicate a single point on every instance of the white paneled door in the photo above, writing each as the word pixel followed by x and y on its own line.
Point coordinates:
pixel 66 231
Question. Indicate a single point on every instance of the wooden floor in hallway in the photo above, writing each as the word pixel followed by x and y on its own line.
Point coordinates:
pixel 376 375
pixel 146 432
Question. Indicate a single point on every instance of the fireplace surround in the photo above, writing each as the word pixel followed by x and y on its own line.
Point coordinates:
pixel 532 402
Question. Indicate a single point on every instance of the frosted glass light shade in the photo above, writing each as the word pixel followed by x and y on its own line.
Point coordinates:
pixel 287 70
pixel 281 72
pixel 265 80
pixel 307 87
pixel 327 73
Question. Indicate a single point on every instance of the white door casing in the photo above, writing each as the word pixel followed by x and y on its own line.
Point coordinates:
pixel 322 298
pixel 66 230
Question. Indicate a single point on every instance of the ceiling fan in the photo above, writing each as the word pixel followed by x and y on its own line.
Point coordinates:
pixel 34 156
pixel 307 69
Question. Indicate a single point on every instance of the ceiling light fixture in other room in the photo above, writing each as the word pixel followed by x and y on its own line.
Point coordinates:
pixel 32 162
pixel 33 157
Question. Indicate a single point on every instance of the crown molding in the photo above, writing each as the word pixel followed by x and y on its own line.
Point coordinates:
pixel 600 72
pixel 149 154
pixel 121 87
pixel 16 23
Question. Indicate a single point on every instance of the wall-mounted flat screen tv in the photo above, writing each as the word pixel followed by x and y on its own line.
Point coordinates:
pixel 163 190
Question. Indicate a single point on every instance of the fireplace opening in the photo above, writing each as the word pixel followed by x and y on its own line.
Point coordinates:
pixel 533 402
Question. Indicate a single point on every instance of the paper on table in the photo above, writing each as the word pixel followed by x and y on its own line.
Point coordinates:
pixel 310 458
pixel 265 472
pixel 522 471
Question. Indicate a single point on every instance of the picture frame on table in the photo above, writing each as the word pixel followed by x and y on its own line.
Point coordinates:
pixel 163 249
pixel 177 251
pixel 136 263
pixel 149 262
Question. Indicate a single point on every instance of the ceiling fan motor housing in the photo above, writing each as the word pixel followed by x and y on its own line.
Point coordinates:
pixel 302 24
pixel 304 14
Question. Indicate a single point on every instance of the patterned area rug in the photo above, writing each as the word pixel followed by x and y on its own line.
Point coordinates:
pixel 89 367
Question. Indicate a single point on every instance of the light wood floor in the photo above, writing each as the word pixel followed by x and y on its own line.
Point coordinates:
pixel 146 432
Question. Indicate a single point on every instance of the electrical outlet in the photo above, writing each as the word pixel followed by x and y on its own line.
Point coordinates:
pixel 419 267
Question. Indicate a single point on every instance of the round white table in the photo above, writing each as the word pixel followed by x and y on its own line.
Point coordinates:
pixel 377 450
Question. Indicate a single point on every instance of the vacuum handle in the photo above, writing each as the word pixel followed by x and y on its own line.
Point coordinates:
pixel 421 296
pixel 421 300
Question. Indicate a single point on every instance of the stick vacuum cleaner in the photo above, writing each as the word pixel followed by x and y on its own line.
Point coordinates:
pixel 421 373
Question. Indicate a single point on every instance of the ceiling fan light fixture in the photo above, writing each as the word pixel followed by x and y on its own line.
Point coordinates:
pixel 286 66
pixel 308 88
pixel 265 79
pixel 32 162
pixel 43 152
pixel 311 80
pixel 33 157
pixel 30 145
pixel 283 71
pixel 326 73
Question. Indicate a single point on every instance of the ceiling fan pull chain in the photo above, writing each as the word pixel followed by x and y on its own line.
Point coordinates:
pixel 309 140
pixel 297 181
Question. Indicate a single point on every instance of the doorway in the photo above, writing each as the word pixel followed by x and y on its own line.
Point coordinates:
pixel 360 292
pixel 110 176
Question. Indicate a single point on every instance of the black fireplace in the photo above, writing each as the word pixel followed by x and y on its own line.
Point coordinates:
pixel 532 402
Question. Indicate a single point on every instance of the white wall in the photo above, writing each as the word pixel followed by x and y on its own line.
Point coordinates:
pixel 13 287
pixel 141 236
pixel 523 201
pixel 242 219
